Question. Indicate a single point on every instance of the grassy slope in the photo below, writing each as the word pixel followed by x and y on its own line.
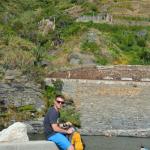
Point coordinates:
pixel 22 44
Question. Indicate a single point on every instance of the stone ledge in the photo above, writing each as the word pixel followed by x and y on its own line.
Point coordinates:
pixel 115 73
pixel 119 132
pixel 31 145
pixel 109 82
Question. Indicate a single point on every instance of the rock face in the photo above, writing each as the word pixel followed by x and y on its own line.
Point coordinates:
pixel 16 89
pixel 45 26
pixel 19 95
pixel 79 58
pixel 14 133
pixel 35 126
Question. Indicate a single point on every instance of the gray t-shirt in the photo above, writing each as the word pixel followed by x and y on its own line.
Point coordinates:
pixel 51 117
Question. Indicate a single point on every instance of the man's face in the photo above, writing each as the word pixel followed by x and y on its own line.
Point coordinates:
pixel 59 102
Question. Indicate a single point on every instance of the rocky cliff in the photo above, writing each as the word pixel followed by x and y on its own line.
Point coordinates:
pixel 20 99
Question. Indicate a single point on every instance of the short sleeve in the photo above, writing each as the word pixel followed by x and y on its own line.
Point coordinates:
pixel 53 116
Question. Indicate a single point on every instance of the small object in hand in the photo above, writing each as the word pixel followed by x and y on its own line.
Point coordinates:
pixel 67 125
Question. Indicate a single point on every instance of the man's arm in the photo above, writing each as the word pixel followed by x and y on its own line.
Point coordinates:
pixel 56 128
pixel 65 125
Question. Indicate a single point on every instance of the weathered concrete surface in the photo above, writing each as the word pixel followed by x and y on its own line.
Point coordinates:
pixel 111 107
pixel 31 145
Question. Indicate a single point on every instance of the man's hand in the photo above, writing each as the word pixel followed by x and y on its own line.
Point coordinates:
pixel 61 130
pixel 66 125
pixel 70 130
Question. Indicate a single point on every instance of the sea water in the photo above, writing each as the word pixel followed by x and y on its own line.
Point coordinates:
pixel 107 143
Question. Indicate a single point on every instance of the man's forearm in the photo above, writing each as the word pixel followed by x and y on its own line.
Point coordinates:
pixel 56 128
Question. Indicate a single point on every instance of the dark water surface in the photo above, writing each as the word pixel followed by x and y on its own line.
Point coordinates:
pixel 107 143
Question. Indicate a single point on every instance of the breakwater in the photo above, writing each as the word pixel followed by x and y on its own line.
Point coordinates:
pixel 31 145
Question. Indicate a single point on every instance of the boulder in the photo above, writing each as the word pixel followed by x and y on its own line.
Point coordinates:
pixel 46 25
pixel 17 132
pixel 77 58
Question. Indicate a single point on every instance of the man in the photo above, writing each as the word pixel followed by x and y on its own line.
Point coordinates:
pixel 53 129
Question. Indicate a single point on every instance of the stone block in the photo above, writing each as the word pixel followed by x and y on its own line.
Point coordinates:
pixel 31 145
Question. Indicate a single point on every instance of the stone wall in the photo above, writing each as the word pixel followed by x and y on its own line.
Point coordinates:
pixel 118 72
pixel 100 18
pixel 110 107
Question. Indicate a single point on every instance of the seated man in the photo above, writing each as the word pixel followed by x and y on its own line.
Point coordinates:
pixel 52 128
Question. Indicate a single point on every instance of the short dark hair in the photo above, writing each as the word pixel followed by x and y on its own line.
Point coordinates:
pixel 60 96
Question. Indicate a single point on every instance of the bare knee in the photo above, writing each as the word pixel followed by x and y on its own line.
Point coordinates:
pixel 71 147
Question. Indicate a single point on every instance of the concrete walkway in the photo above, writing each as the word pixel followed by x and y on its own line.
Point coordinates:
pixel 31 145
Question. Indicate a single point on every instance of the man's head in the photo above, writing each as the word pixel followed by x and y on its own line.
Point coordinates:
pixel 59 101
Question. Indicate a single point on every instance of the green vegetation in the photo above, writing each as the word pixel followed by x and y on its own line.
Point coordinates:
pixel 30 108
pixel 53 90
pixel 131 41
pixel 25 42
pixel 21 113
pixel 90 47
pixel 68 113
pixel 130 18
pixel 29 43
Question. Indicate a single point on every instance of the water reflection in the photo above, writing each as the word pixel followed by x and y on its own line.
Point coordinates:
pixel 107 143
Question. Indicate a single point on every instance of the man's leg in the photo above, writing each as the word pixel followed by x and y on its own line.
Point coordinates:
pixel 61 141
pixel 71 147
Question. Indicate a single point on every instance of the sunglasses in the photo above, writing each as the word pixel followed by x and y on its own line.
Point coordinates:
pixel 60 102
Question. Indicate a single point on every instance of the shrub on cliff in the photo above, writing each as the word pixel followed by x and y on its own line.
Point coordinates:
pixel 68 113
pixel 145 56
pixel 17 59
